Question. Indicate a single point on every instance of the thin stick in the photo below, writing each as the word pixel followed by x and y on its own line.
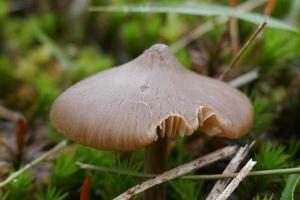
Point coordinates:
pixel 236 181
pixel 206 27
pixel 242 50
pixel 244 78
pixel 178 171
pixel 21 126
pixel 295 170
pixel 270 7
pixel 234 30
pixel 231 167
pixel 114 170
pixel 33 163
pixel 8 114
pixel 234 3
pixel 234 35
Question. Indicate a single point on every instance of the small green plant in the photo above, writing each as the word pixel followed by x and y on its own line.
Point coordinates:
pixel 293 148
pixel 271 157
pixel 263 114
pixel 113 184
pixel 20 187
pixel 51 193
pixel 184 189
pixel 263 197
pixel 64 170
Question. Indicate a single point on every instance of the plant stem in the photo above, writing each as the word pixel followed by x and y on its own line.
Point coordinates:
pixel 28 166
pixel 155 162
pixel 211 24
pixel 244 78
pixel 295 170
pixel 244 48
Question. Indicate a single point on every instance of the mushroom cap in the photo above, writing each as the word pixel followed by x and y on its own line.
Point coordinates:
pixel 130 106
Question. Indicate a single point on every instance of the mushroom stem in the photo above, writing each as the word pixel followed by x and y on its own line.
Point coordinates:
pixel 155 162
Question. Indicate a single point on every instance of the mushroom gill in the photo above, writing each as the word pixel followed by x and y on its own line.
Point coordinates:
pixel 175 125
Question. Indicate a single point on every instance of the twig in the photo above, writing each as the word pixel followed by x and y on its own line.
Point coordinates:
pixel 295 170
pixel 114 170
pixel 244 79
pixel 178 171
pixel 234 35
pixel 234 3
pixel 270 7
pixel 204 28
pixel 33 163
pixel 234 30
pixel 21 126
pixel 242 50
pixel 236 181
pixel 231 167
pixel 8 114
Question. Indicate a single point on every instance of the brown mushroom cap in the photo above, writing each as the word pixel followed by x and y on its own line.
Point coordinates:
pixel 127 107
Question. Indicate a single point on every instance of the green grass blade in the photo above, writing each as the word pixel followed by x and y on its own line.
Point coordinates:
pixel 288 192
pixel 202 10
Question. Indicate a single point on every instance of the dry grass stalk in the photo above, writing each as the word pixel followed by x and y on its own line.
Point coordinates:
pixel 244 78
pixel 208 26
pixel 270 7
pixel 21 126
pixel 234 30
pixel 236 181
pixel 28 166
pixel 178 171
pixel 231 167
pixel 244 48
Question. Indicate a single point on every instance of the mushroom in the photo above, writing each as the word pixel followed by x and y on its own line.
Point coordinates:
pixel 145 101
